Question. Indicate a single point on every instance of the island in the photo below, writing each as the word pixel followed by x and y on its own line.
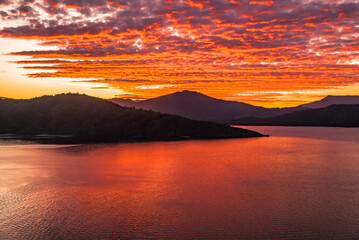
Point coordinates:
pixel 78 118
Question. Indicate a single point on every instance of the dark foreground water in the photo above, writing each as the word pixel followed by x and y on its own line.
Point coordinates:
pixel 300 183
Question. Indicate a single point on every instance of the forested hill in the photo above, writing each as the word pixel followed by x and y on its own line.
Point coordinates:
pixel 332 116
pixel 90 119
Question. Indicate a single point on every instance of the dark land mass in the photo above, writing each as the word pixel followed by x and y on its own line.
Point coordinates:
pixel 198 106
pixel 332 116
pixel 331 100
pixel 90 119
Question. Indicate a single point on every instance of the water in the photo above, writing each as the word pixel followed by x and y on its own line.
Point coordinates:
pixel 300 183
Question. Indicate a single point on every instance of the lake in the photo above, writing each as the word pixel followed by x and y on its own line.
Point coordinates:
pixel 300 183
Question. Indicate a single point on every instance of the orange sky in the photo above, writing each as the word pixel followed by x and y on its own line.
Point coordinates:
pixel 268 53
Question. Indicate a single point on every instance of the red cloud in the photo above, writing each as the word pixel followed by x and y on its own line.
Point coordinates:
pixel 229 45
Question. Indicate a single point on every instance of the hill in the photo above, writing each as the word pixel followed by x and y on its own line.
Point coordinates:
pixel 332 116
pixel 331 100
pixel 198 106
pixel 90 119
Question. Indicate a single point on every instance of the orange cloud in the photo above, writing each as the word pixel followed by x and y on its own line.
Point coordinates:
pixel 264 2
pixel 224 48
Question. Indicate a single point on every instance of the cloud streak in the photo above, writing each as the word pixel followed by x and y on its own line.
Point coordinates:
pixel 244 44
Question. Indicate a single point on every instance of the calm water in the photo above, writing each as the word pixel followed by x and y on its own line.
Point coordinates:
pixel 300 183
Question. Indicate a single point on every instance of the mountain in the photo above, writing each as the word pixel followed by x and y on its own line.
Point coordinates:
pixel 90 119
pixel 333 116
pixel 198 106
pixel 330 100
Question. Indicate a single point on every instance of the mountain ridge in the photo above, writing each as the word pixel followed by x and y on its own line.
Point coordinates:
pixel 331 100
pixel 198 106
pixel 90 119
pixel 337 115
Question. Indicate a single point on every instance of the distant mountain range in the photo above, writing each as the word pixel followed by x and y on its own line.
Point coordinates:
pixel 331 100
pixel 332 116
pixel 89 119
pixel 198 106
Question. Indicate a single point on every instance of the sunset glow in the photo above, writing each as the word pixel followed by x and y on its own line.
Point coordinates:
pixel 270 53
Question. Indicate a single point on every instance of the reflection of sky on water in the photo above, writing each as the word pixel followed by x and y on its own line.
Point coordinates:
pixel 266 188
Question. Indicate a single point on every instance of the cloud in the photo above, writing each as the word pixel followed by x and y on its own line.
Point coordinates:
pixel 286 43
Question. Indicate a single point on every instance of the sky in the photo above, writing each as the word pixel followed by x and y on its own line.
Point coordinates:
pixel 274 53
